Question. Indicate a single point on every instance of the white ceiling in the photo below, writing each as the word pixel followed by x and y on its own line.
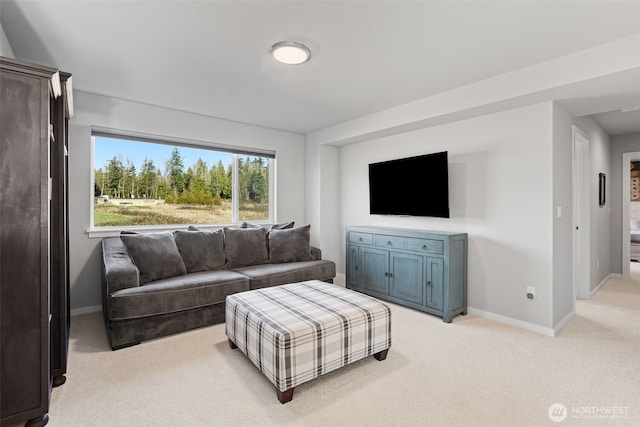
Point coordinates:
pixel 212 57
pixel 618 122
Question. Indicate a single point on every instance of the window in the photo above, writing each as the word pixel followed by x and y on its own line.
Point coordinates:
pixel 138 181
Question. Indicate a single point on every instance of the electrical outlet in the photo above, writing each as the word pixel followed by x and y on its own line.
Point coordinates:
pixel 531 292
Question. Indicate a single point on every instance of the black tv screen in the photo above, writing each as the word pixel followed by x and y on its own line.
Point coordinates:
pixel 416 186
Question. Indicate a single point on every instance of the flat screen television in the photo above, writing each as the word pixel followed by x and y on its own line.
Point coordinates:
pixel 414 186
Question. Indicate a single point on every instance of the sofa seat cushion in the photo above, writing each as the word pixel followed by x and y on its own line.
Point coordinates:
pixel 176 294
pixel 263 276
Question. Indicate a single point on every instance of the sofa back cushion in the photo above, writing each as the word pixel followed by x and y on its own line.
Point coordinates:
pixel 290 245
pixel 155 254
pixel 201 250
pixel 245 246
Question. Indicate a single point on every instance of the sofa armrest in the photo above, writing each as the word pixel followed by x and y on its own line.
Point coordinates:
pixel 118 270
pixel 316 253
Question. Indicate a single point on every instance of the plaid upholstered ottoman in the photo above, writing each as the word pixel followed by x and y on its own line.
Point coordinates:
pixel 297 332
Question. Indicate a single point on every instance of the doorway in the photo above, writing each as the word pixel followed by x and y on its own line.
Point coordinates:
pixel 581 217
pixel 627 158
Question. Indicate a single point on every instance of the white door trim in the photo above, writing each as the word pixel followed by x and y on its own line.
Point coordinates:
pixel 581 215
pixel 626 208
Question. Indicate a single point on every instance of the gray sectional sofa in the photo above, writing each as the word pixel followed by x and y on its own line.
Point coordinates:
pixel 156 284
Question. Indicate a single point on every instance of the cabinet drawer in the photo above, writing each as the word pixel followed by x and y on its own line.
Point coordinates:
pixel 425 245
pixel 390 241
pixel 364 238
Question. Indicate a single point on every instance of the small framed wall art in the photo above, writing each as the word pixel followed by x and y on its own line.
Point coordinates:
pixel 602 189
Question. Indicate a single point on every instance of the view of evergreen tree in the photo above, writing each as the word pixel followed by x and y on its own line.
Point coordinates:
pixel 220 181
pixel 199 184
pixel 254 180
pixel 253 185
pixel 147 185
pixel 113 178
pixel 175 173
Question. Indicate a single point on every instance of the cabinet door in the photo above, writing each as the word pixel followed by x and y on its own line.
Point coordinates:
pixel 375 270
pixel 354 266
pixel 24 245
pixel 406 277
pixel 435 279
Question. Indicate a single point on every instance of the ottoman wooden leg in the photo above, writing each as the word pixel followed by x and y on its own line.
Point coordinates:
pixel 285 396
pixel 381 355
pixel 232 344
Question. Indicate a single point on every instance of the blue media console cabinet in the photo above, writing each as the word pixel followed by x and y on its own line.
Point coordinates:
pixel 425 270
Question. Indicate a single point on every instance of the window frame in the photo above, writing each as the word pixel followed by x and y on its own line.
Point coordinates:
pixel 236 151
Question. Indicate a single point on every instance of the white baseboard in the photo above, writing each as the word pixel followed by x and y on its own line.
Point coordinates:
pixel 564 322
pixel 597 288
pixel 85 310
pixel 510 321
pixel 340 279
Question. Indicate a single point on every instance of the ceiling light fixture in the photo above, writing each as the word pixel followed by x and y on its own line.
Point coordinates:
pixel 291 53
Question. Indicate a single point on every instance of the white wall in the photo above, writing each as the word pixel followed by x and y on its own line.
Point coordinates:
pixel 321 198
pixel 501 194
pixel 5 47
pixel 95 110
pixel 563 294
pixel 600 217
pixel 619 145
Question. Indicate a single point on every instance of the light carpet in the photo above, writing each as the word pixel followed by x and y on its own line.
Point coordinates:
pixel 473 372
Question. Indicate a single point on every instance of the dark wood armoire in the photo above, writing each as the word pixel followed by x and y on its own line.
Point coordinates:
pixel 35 105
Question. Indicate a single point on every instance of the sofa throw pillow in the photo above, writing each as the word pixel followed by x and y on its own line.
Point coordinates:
pixel 248 225
pixel 290 245
pixel 155 254
pixel 245 246
pixel 282 226
pixel 201 250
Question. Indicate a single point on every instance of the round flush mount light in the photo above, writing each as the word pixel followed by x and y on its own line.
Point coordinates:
pixel 291 53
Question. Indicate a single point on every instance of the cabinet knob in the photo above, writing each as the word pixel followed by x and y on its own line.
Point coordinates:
pixel 356 267
pixel 389 243
pixel 425 247
pixel 386 274
pixel 360 239
pixel 428 283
